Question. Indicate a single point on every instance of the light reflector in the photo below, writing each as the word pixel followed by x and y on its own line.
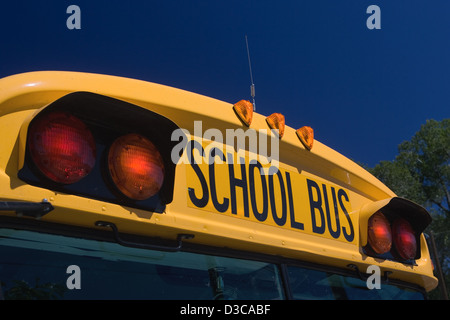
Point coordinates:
pixel 62 147
pixel 404 239
pixel 379 233
pixel 136 166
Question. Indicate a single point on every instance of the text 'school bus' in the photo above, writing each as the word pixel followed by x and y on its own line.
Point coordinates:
pixel 113 188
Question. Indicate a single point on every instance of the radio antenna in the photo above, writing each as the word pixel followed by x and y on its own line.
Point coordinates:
pixel 252 87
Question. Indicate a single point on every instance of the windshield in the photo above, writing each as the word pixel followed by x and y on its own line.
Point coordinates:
pixel 310 284
pixel 36 265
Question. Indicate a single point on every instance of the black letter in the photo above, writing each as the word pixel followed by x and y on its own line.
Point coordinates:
pixel 279 221
pixel 351 236
pixel 203 201
pixel 221 207
pixel 261 216
pixel 316 205
pixel 337 233
pixel 234 182
pixel 294 224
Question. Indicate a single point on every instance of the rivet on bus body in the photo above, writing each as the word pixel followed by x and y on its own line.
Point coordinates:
pixel 103 208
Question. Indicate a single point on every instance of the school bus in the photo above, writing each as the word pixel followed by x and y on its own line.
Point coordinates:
pixel 115 188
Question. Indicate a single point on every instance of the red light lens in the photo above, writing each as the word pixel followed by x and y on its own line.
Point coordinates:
pixel 62 147
pixel 379 233
pixel 404 239
pixel 136 166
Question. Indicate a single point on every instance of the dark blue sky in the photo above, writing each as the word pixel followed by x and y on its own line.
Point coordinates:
pixel 363 91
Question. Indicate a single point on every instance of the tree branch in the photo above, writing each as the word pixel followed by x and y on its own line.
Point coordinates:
pixel 447 195
pixel 446 211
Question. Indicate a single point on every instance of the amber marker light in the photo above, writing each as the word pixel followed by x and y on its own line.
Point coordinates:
pixel 244 110
pixel 136 166
pixel 306 136
pixel 276 121
pixel 379 233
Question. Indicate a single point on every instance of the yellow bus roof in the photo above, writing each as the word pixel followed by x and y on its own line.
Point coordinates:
pixel 21 95
pixel 29 90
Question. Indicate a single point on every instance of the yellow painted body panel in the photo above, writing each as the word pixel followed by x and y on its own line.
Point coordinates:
pixel 279 199
pixel 22 95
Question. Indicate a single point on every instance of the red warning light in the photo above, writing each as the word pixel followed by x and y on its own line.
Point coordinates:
pixel 62 147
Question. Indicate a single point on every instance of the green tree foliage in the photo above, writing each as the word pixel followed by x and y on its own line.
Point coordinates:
pixel 421 173
pixel 45 291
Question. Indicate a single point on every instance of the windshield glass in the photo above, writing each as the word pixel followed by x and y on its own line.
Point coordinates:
pixel 310 284
pixel 36 265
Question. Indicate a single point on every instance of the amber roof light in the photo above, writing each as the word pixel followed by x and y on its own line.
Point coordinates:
pixel 306 136
pixel 244 110
pixel 276 121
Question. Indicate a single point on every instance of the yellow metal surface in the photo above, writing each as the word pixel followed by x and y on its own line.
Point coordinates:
pixel 279 197
pixel 287 230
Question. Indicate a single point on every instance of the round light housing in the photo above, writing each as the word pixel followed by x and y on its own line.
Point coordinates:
pixel 379 233
pixel 404 239
pixel 62 147
pixel 136 166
